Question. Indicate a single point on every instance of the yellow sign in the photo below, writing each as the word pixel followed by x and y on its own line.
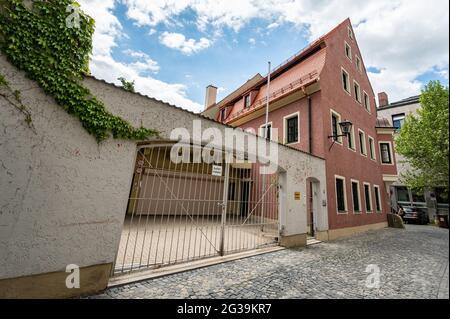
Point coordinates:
pixel 297 196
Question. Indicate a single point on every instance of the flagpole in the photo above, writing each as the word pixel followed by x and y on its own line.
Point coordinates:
pixel 266 136
pixel 266 131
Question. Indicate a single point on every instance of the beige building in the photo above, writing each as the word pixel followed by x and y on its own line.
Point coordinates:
pixel 395 114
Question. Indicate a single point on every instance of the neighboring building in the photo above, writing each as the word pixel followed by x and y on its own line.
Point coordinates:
pixel 310 94
pixel 432 200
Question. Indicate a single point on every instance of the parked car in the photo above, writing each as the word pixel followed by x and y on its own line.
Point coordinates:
pixel 414 215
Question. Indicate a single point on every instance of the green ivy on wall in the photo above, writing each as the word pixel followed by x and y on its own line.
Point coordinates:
pixel 35 37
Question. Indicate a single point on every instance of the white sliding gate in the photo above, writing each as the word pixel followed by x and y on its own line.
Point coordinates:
pixel 179 212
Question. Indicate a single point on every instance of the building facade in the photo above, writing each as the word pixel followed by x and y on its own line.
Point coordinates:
pixel 310 96
pixel 433 200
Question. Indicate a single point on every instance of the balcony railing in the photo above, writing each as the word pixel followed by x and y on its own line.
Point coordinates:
pixel 276 94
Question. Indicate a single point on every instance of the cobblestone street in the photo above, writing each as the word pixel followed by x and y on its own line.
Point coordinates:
pixel 413 264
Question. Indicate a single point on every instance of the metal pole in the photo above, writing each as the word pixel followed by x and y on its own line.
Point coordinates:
pixel 266 136
pixel 228 157
pixel 266 131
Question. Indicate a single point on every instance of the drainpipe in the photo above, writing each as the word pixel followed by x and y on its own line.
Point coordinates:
pixel 309 120
pixel 309 124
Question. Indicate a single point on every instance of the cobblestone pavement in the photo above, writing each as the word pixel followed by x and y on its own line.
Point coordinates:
pixel 413 263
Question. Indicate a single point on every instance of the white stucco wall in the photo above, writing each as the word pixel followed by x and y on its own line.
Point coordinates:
pixel 63 196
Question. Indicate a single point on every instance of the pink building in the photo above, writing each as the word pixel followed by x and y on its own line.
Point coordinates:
pixel 310 94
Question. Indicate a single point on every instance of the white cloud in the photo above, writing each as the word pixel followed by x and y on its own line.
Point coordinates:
pixel 105 67
pixel 252 41
pixel 273 25
pixel 108 31
pixel 404 38
pixel 144 63
pixel 179 42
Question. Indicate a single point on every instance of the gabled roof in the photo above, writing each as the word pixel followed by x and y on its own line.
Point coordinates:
pixel 408 101
pixel 303 54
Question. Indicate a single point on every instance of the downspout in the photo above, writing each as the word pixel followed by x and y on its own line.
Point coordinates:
pixel 309 120
pixel 309 124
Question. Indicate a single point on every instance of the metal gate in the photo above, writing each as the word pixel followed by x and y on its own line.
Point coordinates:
pixel 179 212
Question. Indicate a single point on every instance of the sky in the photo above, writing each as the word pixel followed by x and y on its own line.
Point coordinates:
pixel 173 49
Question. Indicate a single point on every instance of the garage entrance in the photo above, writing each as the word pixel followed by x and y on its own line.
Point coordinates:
pixel 180 212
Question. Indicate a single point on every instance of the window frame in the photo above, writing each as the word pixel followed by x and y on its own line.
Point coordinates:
pixel 345 211
pixel 349 55
pixel 362 151
pixel 366 106
pixel 261 130
pixel 398 115
pixel 357 94
pixel 285 128
pixel 376 190
pixel 370 198
pixel 247 96
pixel 390 153
pixel 356 212
pixel 372 152
pixel 358 63
pixel 350 33
pixel 352 135
pixel 348 81
pixel 223 114
pixel 339 131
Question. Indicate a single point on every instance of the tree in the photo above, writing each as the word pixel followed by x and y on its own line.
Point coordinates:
pixel 127 85
pixel 424 141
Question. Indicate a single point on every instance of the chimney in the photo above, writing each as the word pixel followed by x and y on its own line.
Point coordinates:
pixel 211 95
pixel 383 99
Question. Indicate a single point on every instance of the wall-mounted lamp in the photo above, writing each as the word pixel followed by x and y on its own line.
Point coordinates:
pixel 346 128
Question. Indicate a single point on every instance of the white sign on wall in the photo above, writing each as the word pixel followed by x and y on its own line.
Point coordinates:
pixel 216 170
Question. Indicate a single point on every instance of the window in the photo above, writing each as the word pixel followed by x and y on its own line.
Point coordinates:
pixel 368 198
pixel 357 90
pixel 377 198
pixel 362 143
pixel 345 81
pixel 350 33
pixel 348 51
pixel 291 130
pixel 402 194
pixel 340 195
pixel 223 113
pixel 358 63
pixel 397 121
pixel 418 197
pixel 263 131
pixel 385 150
pixel 247 101
pixel 371 148
pixel 335 128
pixel 351 139
pixel 366 101
pixel 356 197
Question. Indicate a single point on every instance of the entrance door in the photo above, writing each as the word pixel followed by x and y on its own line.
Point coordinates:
pixel 311 209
